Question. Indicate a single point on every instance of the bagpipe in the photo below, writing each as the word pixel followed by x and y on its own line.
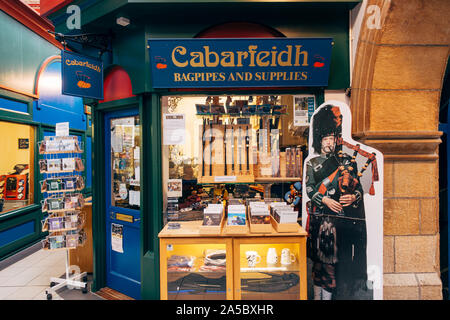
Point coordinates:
pixel 347 183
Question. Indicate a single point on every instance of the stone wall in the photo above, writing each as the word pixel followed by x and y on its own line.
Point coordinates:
pixel 395 96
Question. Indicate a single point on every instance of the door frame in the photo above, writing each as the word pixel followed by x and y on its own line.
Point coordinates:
pixel 98 187
pixel 109 209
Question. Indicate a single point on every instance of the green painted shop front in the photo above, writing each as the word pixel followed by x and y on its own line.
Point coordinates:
pixel 185 19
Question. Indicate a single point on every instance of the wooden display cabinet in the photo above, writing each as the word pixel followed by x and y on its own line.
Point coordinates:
pixel 288 281
pixel 207 280
pixel 267 281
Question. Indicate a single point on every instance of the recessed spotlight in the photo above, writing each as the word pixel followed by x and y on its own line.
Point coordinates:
pixel 123 21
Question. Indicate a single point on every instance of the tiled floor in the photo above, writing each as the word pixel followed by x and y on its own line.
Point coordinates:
pixel 28 278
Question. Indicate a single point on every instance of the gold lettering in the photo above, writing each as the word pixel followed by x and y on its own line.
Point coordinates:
pixel 274 56
pixel 259 60
pixel 297 56
pixel 197 56
pixel 227 55
pixel 287 62
pixel 207 56
pixel 177 77
pixel 241 54
pixel 182 51
pixel 252 50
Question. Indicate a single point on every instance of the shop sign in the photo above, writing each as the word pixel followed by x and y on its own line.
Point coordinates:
pixel 206 63
pixel 82 76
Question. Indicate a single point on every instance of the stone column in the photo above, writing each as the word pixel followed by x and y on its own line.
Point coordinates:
pixel 395 97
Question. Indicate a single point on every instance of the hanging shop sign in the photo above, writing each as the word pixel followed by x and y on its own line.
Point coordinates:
pixel 211 63
pixel 82 76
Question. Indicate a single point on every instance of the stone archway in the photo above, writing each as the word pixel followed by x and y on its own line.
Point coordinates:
pixel 395 96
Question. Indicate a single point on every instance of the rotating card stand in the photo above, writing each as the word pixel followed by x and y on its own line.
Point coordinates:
pixel 61 167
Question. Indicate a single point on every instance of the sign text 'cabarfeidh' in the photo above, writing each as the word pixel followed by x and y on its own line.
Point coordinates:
pixel 209 63
pixel 82 76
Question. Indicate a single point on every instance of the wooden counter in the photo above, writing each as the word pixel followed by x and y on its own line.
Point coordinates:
pixel 191 229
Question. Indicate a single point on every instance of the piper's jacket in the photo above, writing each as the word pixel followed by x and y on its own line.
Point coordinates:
pixel 351 234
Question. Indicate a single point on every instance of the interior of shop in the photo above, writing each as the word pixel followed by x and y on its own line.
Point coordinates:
pixel 231 148
pixel 231 164
pixel 16 172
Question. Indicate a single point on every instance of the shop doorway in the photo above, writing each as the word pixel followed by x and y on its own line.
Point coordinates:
pixel 122 185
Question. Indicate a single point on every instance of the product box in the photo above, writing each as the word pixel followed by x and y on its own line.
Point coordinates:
pixel 56 242
pixel 236 215
pixel 72 240
pixel 278 205
pixel 285 216
pixel 55 223
pixel 212 215
pixel 259 213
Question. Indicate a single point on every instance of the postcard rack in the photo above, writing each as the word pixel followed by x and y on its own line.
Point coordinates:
pixel 61 167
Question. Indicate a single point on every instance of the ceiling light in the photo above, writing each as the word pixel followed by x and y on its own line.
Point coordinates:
pixel 123 21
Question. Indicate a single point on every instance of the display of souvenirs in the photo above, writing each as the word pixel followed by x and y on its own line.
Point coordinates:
pixel 236 215
pixel 61 201
pixel 59 144
pixel 214 261
pixel 212 215
pixel 60 165
pixel 57 242
pixel 180 263
pixel 259 213
pixel 72 240
pixel 55 224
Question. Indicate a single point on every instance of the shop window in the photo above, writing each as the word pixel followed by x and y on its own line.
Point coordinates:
pixel 16 166
pixel 125 162
pixel 232 148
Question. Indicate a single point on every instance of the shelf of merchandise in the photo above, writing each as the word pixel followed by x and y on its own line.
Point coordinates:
pixel 60 171
pixel 242 115
pixel 63 191
pixel 62 210
pixel 62 152
pixel 259 180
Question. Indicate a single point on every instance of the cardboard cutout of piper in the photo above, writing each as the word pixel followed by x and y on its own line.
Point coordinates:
pixel 342 209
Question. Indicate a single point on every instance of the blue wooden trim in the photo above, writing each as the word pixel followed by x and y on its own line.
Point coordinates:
pixel 443 127
pixel 17 233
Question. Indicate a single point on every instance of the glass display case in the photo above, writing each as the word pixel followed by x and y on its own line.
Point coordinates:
pixel 270 268
pixel 232 149
pixel 196 269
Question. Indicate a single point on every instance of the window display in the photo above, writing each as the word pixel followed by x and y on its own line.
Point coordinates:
pixel 230 150
pixel 197 271
pixel 125 162
pixel 16 169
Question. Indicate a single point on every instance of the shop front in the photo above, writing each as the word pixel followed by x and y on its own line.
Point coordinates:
pixel 200 112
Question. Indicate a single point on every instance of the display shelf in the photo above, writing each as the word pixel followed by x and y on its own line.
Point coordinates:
pixel 239 115
pixel 259 227
pixel 61 171
pixel 213 230
pixel 259 180
pixel 236 230
pixel 62 210
pixel 59 249
pixel 277 179
pixel 61 152
pixel 284 227
pixel 63 191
